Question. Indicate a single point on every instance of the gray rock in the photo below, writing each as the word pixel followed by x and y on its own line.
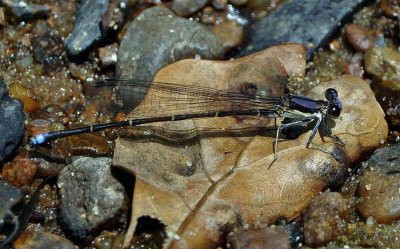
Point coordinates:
pixel 87 27
pixel 311 22
pixel 26 11
pixel 90 196
pixel 9 196
pixel 155 39
pixel 187 7
pixel 12 122
pixel 379 186
pixel 386 160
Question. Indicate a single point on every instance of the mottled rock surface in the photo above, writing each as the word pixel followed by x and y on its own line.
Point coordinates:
pixel 309 22
pixel 24 11
pixel 20 171
pixel 87 29
pixel 12 122
pixel 90 196
pixel 187 7
pixel 384 64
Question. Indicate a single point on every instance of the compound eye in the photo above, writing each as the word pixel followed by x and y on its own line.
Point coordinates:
pixel 335 110
pixel 331 93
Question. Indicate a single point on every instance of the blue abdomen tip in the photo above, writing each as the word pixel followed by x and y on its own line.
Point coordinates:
pixel 39 139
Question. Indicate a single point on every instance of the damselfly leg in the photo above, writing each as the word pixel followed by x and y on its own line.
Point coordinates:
pixel 285 126
pixel 319 118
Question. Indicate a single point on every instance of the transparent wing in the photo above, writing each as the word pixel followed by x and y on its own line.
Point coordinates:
pixel 165 99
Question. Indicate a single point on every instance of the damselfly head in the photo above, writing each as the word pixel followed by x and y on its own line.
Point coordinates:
pixel 335 106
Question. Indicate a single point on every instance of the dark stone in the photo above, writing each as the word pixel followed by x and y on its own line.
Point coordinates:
pixel 155 39
pixel 310 22
pixel 25 11
pixel 91 198
pixel 12 122
pixel 294 232
pixel 48 50
pixel 386 160
pixel 9 196
pixel 87 29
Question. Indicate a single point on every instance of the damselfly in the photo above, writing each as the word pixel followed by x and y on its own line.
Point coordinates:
pixel 174 102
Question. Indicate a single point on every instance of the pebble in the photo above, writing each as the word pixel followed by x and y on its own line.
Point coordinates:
pixel 20 171
pixel 51 113
pixel 12 122
pixel 208 16
pixel 112 240
pixel 9 196
pixel 185 8
pixel 26 95
pixel 230 33
pixel 24 11
pixel 48 49
pixel 90 196
pixel 115 16
pixel 219 4
pixel 358 37
pixel 79 71
pixel 383 63
pixel 387 93
pixel 108 55
pixel 271 237
pixel 325 219
pixel 87 29
pixel 295 22
pixel 379 186
pixel 38 126
pixel 155 39
pixel 354 68
pixel 46 169
pixel 390 8
pixel 31 239
pixel 2 17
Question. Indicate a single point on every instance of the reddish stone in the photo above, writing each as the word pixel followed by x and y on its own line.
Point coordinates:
pixel 20 172
pixel 358 37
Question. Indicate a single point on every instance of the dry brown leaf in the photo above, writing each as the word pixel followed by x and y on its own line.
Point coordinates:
pixel 202 190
